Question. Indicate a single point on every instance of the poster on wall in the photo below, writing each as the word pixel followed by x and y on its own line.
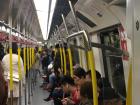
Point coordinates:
pixel 123 42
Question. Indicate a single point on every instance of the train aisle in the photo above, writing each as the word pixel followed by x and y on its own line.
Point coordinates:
pixel 38 95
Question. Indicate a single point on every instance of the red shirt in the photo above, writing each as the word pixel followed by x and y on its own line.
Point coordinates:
pixel 75 98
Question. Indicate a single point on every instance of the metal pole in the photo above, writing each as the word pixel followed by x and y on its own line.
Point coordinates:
pixel 19 67
pixel 74 15
pixel 78 29
pixel 91 63
pixel 11 66
pixel 64 21
pixel 60 49
pixel 28 57
pixel 25 65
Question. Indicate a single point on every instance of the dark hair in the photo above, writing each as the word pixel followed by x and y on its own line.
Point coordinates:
pixel 57 46
pixel 86 90
pixel 80 72
pixel 98 75
pixel 14 48
pixel 67 80
pixel 103 82
pixel 1 52
pixel 108 93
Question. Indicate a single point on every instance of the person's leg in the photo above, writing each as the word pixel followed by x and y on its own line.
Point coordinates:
pixel 50 95
pixel 15 101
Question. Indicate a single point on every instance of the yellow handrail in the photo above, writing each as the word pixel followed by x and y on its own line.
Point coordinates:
pixel 70 61
pixel 91 64
pixel 28 64
pixel 24 60
pixel 60 49
pixel 129 88
pixel 19 65
pixel 30 57
pixel 80 55
pixel 64 57
pixel 11 70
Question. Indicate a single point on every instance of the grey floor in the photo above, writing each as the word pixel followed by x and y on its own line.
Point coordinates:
pixel 38 96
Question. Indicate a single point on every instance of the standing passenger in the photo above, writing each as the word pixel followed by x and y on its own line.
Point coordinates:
pixel 3 83
pixel 6 64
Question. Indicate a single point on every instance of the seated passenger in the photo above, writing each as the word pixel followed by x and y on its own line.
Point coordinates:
pixel 79 76
pixel 69 87
pixel 52 79
pixel 109 97
pixel 86 93
pixel 89 78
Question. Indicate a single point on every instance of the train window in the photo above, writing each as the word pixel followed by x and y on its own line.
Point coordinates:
pixel 75 53
pixel 113 64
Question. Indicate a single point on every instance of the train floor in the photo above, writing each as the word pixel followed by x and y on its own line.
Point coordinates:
pixel 38 95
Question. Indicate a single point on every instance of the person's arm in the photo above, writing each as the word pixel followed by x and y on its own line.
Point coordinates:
pixel 68 101
pixel 22 70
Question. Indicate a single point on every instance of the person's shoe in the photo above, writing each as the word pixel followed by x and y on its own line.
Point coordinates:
pixel 47 99
pixel 41 86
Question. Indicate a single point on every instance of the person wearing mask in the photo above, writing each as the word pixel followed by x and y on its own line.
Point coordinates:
pixel 6 65
pixel 69 87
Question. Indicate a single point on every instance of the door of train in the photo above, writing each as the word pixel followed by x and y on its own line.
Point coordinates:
pixel 113 63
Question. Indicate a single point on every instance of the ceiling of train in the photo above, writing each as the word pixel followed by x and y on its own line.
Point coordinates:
pixel 62 7
pixel 92 14
pixel 23 11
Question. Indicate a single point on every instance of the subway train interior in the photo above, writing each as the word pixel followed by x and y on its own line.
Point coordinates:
pixel 69 52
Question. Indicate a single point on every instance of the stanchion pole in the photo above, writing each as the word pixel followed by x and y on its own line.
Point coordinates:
pixel 70 59
pixel 19 68
pixel 129 88
pixel 31 70
pixel 68 49
pixel 93 74
pixel 78 29
pixel 11 66
pixel 28 60
pixel 60 49
pixel 25 73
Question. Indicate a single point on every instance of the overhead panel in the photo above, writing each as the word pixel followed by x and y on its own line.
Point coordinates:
pixel 85 19
pixel 98 12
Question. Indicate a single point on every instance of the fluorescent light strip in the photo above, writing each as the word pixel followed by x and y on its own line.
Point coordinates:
pixel 53 5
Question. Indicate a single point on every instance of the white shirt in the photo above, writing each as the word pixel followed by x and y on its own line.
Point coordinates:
pixel 6 65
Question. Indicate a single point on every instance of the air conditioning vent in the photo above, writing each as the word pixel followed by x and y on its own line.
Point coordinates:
pixel 108 1
pixel 85 19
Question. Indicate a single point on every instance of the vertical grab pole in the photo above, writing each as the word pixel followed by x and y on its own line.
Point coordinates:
pixel 91 63
pixel 63 50
pixel 64 55
pixel 93 74
pixel 78 29
pixel 28 71
pixel 60 48
pixel 31 71
pixel 19 69
pixel 69 50
pixel 129 88
pixel 11 66
pixel 25 71
pixel 71 64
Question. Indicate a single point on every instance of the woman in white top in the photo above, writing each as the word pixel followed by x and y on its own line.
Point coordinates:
pixel 6 65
